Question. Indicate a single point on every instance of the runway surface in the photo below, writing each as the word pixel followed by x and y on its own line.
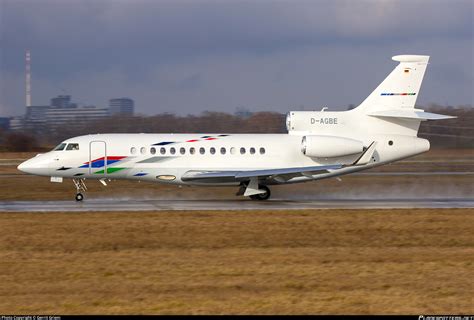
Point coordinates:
pixel 162 205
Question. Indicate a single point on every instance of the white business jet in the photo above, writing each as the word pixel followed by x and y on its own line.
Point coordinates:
pixel 319 144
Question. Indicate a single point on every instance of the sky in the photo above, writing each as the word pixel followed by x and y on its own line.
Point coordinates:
pixel 188 56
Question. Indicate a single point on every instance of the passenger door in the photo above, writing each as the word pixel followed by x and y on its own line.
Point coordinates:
pixel 97 158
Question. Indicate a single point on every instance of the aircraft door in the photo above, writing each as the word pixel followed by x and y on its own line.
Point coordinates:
pixel 97 158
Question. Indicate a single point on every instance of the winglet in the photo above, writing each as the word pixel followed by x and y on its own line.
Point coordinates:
pixel 366 155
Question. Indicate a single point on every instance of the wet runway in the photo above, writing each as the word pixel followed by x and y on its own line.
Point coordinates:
pixel 162 205
pixel 383 173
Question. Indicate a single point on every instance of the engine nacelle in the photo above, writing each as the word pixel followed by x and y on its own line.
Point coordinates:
pixel 330 146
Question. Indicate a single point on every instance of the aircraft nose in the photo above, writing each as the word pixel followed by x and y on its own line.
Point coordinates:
pixel 25 166
pixel 38 165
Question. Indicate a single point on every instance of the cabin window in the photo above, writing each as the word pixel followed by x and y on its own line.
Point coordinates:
pixel 262 150
pixel 72 146
pixel 212 150
pixel 390 143
pixel 182 150
pixel 192 150
pixel 202 150
pixel 172 150
pixel 142 150
pixel 223 150
pixel 133 150
pixel 152 150
pixel 232 150
pixel 242 150
pixel 252 150
pixel 162 150
pixel 60 147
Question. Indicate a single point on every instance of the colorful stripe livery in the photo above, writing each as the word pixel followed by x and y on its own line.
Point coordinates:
pixel 141 174
pixel 398 94
pixel 109 170
pixel 164 143
pixel 203 138
pixel 100 162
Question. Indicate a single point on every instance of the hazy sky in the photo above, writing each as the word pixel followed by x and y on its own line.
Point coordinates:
pixel 189 56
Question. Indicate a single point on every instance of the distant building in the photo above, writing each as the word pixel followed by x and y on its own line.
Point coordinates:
pixel 123 106
pixel 16 123
pixel 62 101
pixel 35 117
pixel 71 116
pixel 63 112
pixel 4 123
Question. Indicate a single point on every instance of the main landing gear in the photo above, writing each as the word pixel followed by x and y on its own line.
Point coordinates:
pixel 80 188
pixel 253 190
pixel 262 196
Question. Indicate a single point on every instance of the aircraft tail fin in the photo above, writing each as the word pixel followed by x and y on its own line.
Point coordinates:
pixel 401 87
pixel 393 101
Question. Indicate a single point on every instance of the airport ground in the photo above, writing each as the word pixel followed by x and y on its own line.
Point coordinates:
pixel 417 261
pixel 409 261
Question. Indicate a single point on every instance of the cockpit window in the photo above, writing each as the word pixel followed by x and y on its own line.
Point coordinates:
pixel 73 146
pixel 60 147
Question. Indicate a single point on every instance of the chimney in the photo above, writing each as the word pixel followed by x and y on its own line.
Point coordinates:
pixel 28 78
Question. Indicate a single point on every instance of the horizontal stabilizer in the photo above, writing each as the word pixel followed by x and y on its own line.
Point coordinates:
pixel 411 58
pixel 415 114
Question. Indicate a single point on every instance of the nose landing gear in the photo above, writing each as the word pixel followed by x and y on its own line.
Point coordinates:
pixel 80 187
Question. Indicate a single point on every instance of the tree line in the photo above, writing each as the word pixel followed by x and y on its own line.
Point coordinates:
pixel 453 133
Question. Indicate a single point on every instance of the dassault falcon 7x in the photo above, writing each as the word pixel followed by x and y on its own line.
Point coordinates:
pixel 318 145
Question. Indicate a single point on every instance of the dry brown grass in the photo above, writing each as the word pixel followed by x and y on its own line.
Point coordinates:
pixel 297 262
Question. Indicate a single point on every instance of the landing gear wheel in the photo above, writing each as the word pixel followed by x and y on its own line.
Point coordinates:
pixel 80 187
pixel 262 196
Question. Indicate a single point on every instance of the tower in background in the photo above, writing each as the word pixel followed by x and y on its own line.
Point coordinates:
pixel 28 78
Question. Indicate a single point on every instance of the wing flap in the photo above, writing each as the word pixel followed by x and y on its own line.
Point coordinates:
pixel 244 175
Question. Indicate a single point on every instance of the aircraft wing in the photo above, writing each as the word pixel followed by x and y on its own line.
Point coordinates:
pixel 244 175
